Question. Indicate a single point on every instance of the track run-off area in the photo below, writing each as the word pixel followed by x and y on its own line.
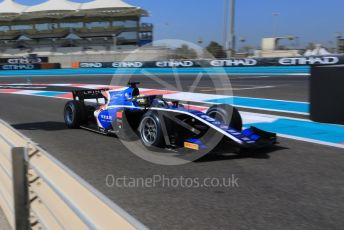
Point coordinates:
pixel 296 185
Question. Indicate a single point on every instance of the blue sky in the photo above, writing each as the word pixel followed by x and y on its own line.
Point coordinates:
pixel 311 20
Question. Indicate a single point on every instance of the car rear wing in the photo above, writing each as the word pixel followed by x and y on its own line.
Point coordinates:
pixel 88 94
pixel 82 95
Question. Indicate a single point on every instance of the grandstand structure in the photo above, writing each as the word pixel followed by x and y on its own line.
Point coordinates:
pixel 61 26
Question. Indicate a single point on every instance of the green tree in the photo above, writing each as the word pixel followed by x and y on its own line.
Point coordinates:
pixel 216 50
pixel 185 52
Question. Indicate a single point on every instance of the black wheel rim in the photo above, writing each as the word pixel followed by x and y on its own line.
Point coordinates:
pixel 149 131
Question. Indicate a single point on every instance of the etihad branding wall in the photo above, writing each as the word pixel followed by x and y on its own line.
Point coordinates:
pixel 27 63
pixel 24 60
pixel 245 62
pixel 30 66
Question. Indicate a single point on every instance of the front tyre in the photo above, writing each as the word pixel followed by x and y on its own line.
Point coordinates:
pixel 74 114
pixel 150 130
pixel 227 114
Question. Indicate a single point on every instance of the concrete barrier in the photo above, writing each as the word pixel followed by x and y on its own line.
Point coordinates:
pixel 39 192
pixel 276 70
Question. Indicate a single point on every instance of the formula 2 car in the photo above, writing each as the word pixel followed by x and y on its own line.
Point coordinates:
pixel 160 123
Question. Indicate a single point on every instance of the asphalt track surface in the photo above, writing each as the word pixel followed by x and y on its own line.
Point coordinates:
pixel 296 185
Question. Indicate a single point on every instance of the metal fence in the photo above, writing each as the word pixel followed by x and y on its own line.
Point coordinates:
pixel 39 192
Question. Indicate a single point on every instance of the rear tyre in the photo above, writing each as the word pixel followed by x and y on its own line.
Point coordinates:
pixel 74 114
pixel 227 114
pixel 150 130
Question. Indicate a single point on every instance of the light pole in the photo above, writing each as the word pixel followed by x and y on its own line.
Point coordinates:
pixel 230 37
pixel 225 24
pixel 274 21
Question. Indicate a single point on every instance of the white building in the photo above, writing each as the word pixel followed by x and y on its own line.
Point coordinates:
pixel 60 24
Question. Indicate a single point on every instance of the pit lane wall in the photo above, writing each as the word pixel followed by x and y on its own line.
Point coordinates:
pixel 213 63
pixel 39 192
pixel 248 66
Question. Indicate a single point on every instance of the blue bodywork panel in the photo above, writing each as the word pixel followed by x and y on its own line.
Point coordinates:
pixel 125 98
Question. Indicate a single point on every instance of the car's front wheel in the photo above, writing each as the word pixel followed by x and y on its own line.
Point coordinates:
pixel 74 114
pixel 227 114
pixel 151 131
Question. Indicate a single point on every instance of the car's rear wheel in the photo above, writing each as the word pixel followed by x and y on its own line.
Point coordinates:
pixel 150 130
pixel 74 114
pixel 227 114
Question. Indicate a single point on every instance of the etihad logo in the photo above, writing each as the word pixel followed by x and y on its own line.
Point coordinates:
pixel 18 67
pixel 15 61
pixel 309 61
pixel 91 65
pixel 174 64
pixel 127 64
pixel 234 62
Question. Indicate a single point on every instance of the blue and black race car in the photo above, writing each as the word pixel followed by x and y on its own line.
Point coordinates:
pixel 160 123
